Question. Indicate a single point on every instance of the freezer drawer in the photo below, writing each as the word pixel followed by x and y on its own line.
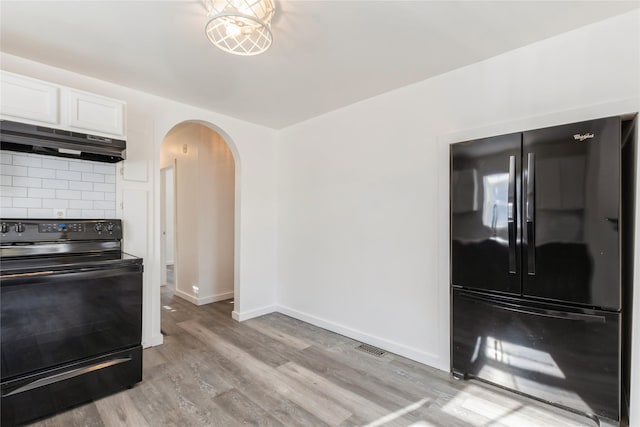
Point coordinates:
pixel 569 357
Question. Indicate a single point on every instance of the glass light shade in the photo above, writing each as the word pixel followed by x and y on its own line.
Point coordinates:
pixel 240 27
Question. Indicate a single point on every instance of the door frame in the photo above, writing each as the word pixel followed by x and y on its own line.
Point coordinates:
pixel 163 215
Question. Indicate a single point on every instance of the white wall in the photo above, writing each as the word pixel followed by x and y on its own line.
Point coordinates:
pixel 363 191
pixel 149 119
pixel 215 207
pixel 187 195
pixel 205 212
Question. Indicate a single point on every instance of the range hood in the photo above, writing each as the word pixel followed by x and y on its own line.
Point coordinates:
pixel 27 138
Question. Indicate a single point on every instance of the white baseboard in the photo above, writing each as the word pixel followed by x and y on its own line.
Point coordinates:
pixel 214 298
pixel 203 300
pixel 409 352
pixel 186 296
pixel 154 341
pixel 246 315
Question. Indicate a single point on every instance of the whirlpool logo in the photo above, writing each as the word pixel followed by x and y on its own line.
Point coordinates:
pixel 582 136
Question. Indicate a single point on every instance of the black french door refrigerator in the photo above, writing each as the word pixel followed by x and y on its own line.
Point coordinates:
pixel 536 263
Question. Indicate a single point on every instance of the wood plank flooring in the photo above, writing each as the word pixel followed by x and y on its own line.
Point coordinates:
pixel 278 371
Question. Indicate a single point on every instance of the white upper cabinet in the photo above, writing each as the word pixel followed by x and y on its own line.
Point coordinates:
pixel 29 99
pixel 89 112
pixel 37 102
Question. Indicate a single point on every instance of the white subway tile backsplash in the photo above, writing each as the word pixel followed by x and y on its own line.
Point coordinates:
pixel 92 213
pixel 58 184
pixel 6 158
pixel 80 185
pixel 23 181
pixel 14 170
pixel 107 188
pixel 13 212
pixel 68 194
pixel 55 164
pixel 23 202
pixel 92 195
pixel 55 203
pixel 23 160
pixel 41 193
pixel 42 173
pixel 92 177
pixel 40 213
pixel 99 204
pixel 70 175
pixel 81 166
pixel 13 191
pixel 35 186
pixel 105 169
pixel 81 204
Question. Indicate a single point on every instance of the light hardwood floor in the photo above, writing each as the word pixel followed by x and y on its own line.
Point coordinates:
pixel 275 370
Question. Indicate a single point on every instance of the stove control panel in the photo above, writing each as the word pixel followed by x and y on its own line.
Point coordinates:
pixel 43 230
pixel 60 227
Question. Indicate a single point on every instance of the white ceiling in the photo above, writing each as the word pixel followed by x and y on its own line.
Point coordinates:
pixel 325 54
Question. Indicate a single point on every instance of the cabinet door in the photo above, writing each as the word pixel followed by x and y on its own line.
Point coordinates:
pixel 92 113
pixel 28 99
pixel 485 249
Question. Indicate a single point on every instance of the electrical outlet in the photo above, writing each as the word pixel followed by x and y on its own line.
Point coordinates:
pixel 59 213
pixel 195 289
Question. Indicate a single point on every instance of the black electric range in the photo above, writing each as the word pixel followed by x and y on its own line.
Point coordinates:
pixel 71 315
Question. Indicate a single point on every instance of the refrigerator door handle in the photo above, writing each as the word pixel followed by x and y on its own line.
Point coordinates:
pixel 511 215
pixel 530 215
pixel 555 314
pixel 536 311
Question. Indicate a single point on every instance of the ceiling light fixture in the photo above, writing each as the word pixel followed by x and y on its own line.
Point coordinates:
pixel 240 27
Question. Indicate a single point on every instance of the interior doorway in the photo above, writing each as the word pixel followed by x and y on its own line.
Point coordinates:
pixel 197 210
pixel 167 226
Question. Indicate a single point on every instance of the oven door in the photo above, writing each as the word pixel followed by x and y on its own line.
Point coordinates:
pixel 51 318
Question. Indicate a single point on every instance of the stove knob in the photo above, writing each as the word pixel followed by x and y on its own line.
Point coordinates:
pixel 110 227
pixel 5 228
pixel 19 228
pixel 98 227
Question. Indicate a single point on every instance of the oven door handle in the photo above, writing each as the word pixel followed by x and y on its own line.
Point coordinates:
pixel 94 271
pixel 36 274
pixel 67 375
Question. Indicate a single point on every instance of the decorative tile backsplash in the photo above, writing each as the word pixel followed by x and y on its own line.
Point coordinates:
pixel 36 186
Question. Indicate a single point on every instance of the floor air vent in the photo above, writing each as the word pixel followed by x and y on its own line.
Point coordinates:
pixel 369 349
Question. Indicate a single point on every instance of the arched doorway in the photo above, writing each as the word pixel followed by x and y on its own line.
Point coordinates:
pixel 197 210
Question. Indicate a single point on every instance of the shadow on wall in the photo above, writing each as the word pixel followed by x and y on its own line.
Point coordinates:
pixel 203 215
